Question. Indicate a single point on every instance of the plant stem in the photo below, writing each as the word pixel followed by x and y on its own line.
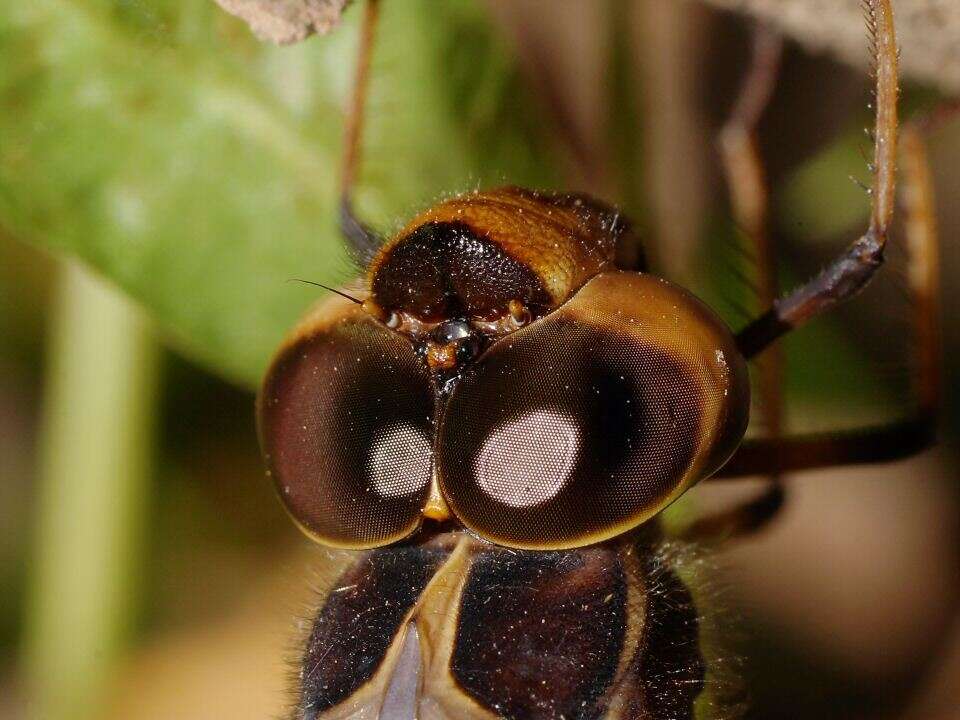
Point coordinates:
pixel 96 453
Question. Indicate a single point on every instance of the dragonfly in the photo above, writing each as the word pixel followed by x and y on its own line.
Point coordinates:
pixel 490 430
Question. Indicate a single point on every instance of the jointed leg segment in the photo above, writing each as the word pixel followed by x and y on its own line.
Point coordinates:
pixel 749 199
pixel 771 455
pixel 746 181
pixel 911 435
pixel 850 272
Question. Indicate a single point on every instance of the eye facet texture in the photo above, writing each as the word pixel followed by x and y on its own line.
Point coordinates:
pixel 546 448
pixel 593 419
pixel 345 419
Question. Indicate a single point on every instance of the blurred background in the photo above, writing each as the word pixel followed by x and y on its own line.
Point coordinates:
pixel 163 174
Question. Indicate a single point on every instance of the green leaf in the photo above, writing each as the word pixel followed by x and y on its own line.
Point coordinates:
pixel 821 200
pixel 196 168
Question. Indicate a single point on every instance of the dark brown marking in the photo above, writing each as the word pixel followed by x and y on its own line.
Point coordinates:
pixel 540 634
pixel 447 269
pixel 560 240
pixel 360 620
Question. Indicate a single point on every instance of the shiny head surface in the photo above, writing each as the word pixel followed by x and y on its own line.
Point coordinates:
pixel 473 255
pixel 527 389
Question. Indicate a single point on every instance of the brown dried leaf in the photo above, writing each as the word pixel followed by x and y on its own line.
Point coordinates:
pixel 286 21
pixel 928 32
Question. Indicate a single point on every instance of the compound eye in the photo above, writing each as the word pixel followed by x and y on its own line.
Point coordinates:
pixel 593 419
pixel 345 419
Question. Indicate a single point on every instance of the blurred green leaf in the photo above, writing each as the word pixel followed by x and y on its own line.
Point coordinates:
pixel 197 168
pixel 821 200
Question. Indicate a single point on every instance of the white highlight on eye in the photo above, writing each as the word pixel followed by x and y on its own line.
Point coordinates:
pixel 399 461
pixel 527 461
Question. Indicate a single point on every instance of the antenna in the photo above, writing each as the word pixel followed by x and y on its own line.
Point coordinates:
pixel 325 287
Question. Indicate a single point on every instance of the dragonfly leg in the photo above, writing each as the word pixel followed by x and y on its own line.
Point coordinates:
pixel 852 270
pixel 891 441
pixel 739 520
pixel 749 201
pixel 360 238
